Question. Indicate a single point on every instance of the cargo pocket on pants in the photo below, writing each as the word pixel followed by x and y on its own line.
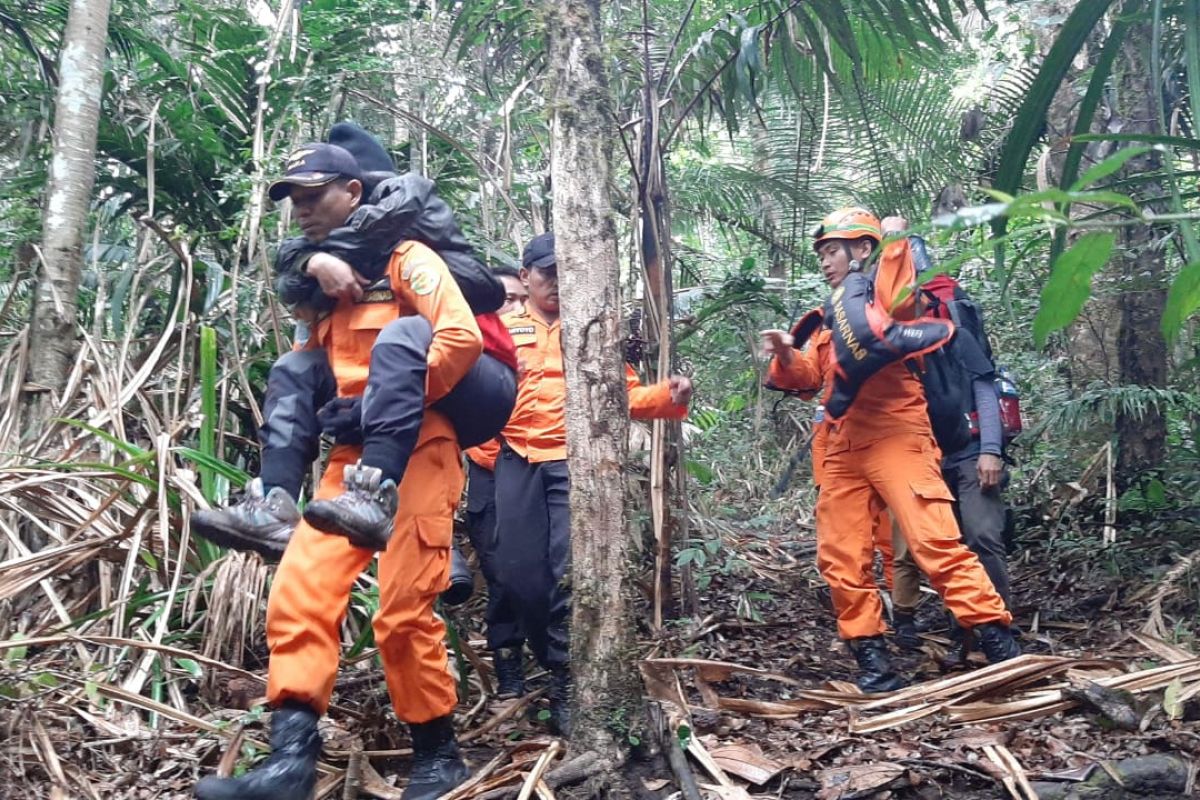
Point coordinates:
pixel 434 536
pixel 931 490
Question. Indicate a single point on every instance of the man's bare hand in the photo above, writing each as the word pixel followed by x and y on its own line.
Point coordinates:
pixel 681 389
pixel 891 225
pixel 778 343
pixel 337 278
pixel 991 471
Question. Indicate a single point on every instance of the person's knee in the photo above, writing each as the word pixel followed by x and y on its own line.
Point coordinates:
pixel 412 332
pixel 984 539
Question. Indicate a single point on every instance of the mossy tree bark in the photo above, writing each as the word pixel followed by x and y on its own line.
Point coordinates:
pixel 607 695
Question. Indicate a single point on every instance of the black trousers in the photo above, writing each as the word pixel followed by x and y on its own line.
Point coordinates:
pixel 981 518
pixel 503 627
pixel 299 383
pixel 302 381
pixel 533 549
pixel 478 406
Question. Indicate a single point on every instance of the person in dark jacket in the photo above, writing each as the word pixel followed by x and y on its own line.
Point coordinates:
pixel 301 400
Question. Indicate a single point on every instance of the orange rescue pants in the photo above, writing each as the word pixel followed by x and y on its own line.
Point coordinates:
pixel 900 473
pixel 311 591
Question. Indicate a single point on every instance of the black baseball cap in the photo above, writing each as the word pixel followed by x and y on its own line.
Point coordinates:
pixel 539 252
pixel 314 164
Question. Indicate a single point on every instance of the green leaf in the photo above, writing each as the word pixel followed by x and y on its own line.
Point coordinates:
pixel 120 444
pixel 1148 138
pixel 1183 299
pixel 684 734
pixel 1108 166
pixel 235 476
pixel 18 653
pixel 208 408
pixel 1191 40
pixel 46 679
pixel 1070 283
pixel 190 666
pixel 1087 110
pixel 635 741
pixel 1030 118
pixel 700 471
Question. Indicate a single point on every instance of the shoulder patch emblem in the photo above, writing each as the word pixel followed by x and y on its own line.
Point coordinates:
pixel 424 280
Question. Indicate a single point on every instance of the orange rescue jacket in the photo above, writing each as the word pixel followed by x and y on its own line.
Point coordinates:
pixel 890 402
pixel 537 429
pixel 417 282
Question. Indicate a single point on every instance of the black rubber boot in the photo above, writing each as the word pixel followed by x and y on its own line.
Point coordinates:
pixel 906 631
pixel 962 642
pixel 560 701
pixel 462 580
pixel 261 523
pixel 365 513
pixel 437 766
pixel 289 773
pixel 997 642
pixel 875 665
pixel 510 673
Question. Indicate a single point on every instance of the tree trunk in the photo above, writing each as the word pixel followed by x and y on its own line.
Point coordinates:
pixel 607 693
pixel 52 347
pixel 1116 341
pixel 1142 351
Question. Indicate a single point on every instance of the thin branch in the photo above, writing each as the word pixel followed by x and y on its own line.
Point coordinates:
pixel 448 139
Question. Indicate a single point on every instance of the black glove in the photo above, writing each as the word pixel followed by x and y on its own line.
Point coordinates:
pixel 341 419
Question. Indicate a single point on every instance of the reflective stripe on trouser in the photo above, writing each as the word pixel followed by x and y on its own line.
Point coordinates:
pixel 311 591
pixel 899 473
pixel 503 629
pixel 299 383
pixel 533 550
pixel 394 401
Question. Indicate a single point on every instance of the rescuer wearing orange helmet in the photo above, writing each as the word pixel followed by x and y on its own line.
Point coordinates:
pixel 879 451
pixel 311 589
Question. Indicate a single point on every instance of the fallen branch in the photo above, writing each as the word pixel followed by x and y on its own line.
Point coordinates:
pixel 577 770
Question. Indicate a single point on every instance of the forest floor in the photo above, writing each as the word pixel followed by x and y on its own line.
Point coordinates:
pixel 776 717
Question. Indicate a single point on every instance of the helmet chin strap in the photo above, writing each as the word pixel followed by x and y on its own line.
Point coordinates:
pixel 855 264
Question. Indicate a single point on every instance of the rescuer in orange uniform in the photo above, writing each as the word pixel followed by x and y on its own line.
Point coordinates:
pixel 532 483
pixel 880 454
pixel 504 636
pixel 882 530
pixel 312 586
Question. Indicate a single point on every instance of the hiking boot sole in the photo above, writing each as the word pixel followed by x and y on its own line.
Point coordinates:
pixel 235 539
pixel 324 517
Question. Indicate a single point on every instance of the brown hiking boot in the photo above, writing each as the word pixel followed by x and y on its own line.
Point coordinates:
pixel 365 513
pixel 259 523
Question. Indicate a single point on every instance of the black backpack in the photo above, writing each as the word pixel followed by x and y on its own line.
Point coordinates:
pixel 948 390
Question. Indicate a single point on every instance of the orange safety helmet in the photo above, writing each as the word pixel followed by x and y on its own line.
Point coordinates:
pixel 848 224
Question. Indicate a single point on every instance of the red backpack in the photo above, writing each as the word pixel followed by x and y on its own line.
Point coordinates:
pixel 944 298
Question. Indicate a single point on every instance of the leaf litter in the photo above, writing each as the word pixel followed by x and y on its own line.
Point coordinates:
pixel 759 687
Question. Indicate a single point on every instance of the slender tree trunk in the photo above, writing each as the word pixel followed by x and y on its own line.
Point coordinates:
pixel 607 691
pixel 1116 340
pixel 52 348
pixel 1142 351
